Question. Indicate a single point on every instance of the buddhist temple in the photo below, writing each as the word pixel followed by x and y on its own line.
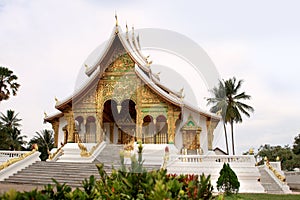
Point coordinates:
pixel 123 101
pixel 121 108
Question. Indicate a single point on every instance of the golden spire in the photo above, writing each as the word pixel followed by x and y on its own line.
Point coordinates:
pixel 56 100
pixel 45 114
pixel 116 18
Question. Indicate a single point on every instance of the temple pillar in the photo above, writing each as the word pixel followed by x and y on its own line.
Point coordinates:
pixel 111 132
pixel 99 114
pixel 99 128
pixel 55 127
pixel 171 120
pixel 139 124
pixel 71 126
pixel 210 125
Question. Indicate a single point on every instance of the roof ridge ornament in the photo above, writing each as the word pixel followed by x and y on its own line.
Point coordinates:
pixel 138 41
pixel 181 91
pixel 116 16
pixel 117 24
pixel 86 67
pixel 56 100
pixel 132 33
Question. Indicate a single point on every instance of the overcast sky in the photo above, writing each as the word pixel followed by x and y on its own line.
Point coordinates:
pixel 46 42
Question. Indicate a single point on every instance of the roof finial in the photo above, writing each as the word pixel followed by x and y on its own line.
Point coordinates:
pixel 116 18
pixel 138 41
pixel 126 27
pixel 181 93
pixel 56 100
pixel 86 67
pixel 45 115
pixel 132 33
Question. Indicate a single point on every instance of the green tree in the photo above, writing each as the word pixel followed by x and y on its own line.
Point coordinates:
pixel 219 103
pixel 45 141
pixel 12 138
pixel 4 139
pixel 10 120
pixel 8 84
pixel 228 181
pixel 235 106
pixel 296 146
pixel 229 103
pixel 285 154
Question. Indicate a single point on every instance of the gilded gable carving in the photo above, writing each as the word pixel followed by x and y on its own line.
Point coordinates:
pixel 148 97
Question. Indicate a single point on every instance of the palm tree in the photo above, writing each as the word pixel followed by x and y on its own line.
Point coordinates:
pixel 219 105
pixel 235 106
pixel 4 139
pixel 9 128
pixel 16 140
pixel 229 103
pixel 45 141
pixel 8 83
pixel 10 120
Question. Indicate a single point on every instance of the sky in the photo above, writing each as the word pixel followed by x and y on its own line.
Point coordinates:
pixel 45 43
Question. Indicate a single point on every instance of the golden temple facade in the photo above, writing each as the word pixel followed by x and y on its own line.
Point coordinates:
pixel 123 101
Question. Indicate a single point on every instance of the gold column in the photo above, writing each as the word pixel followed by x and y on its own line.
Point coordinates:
pixel 99 113
pixel 139 125
pixel 172 116
pixel 55 127
pixel 139 116
pixel 71 126
pixel 99 127
pixel 210 125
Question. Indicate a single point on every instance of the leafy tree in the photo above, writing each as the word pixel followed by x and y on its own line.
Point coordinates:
pixel 45 141
pixel 287 158
pixel 10 120
pixel 8 84
pixel 230 104
pixel 219 106
pixel 4 139
pixel 17 141
pixel 235 106
pixel 228 181
pixel 296 146
pixel 11 135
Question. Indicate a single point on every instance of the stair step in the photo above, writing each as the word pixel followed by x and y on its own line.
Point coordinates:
pixel 71 173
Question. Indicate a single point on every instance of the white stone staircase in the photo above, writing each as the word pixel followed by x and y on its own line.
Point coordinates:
pixel 244 167
pixel 271 183
pixel 41 173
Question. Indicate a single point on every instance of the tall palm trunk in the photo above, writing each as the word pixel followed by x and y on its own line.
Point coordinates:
pixel 226 138
pixel 232 139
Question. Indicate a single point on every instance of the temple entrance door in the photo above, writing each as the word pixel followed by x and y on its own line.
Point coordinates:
pixel 109 124
pixel 126 122
pixel 119 121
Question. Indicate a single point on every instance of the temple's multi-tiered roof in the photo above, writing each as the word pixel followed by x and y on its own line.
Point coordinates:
pixel 101 60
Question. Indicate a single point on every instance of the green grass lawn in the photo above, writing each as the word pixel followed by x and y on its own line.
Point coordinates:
pixel 263 197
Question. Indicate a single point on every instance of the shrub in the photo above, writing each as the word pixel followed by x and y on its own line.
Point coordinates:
pixel 133 182
pixel 228 181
